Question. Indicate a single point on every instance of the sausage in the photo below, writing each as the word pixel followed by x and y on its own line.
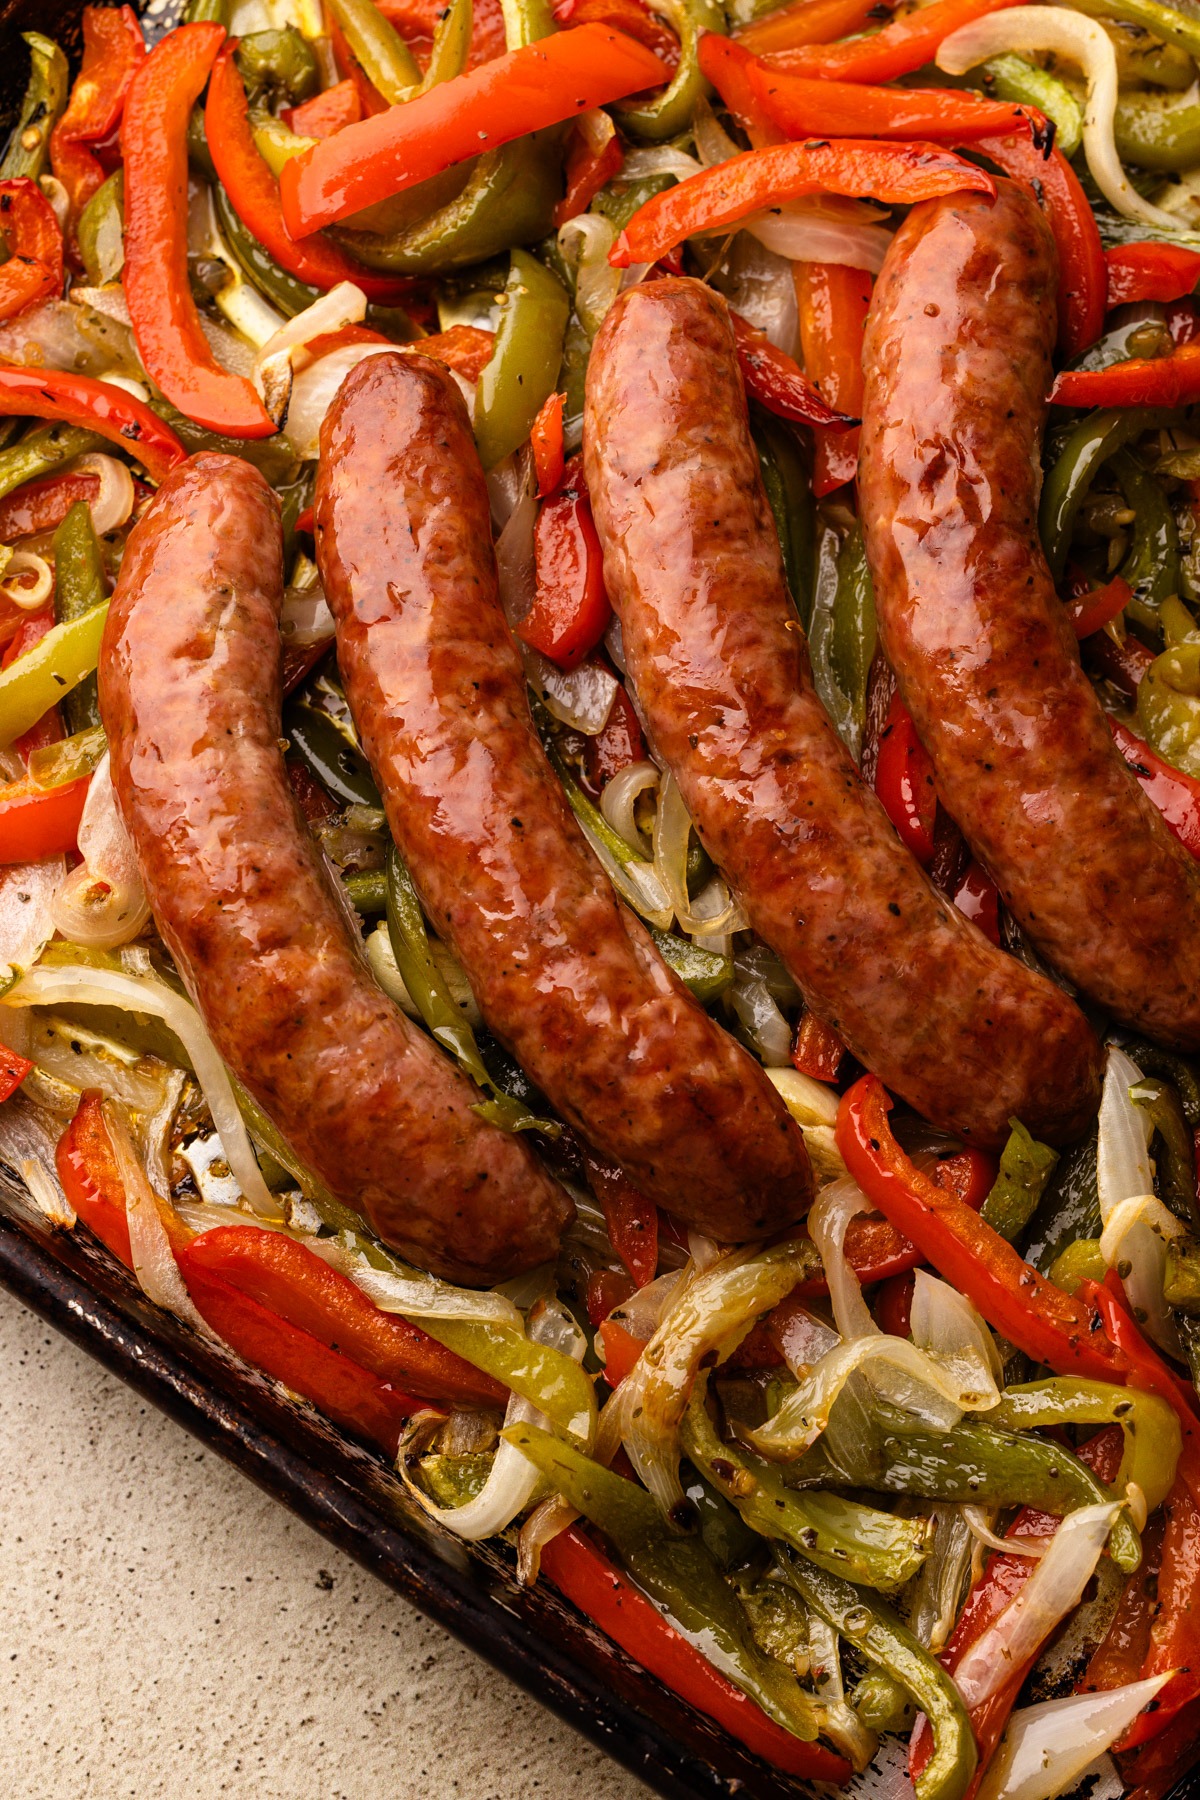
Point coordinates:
pixel 957 362
pixel 190 696
pixel 720 667
pixel 564 975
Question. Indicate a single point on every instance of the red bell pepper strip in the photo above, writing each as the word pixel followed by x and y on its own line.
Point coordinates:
pixel 96 405
pixel 591 1582
pixel 42 505
pixel 546 441
pixel 629 16
pixel 727 65
pixel 613 749
pixel 31 629
pixel 1082 272
pixel 13 1070
pixel 571 610
pixel 803 106
pixel 904 781
pixel 293 1281
pixel 726 193
pixel 1143 381
pixel 325 113
pixel 807 22
pixel 893 1305
pixel 978 899
pixel 594 158
pixel 1154 1771
pixel 1001 1582
pixel 91 1180
pixel 832 300
pixel 621 1351
pixel 113 51
pixel 1050 1326
pixel 1145 1368
pixel 606 1289
pixel 1095 608
pixel 1176 795
pixel 370 101
pixel 1151 271
pixel 166 325
pixel 902 47
pixel 1119 1658
pixel 417 22
pixel 526 90
pixel 776 382
pixel 467 349
pixel 632 1220
pixel 817 1050
pixel 39 822
pixel 1123 664
pixel 254 194
pixel 30 232
pixel 351 1396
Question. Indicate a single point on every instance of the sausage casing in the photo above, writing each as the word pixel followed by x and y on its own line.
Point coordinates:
pixel 564 975
pixel 957 363
pixel 190 695
pixel 719 663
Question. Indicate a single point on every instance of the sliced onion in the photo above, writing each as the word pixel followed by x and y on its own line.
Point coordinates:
pixel 659 159
pixel 515 565
pixel 582 697
pixel 945 1323
pixel 938 1586
pixel 109 300
pixel 761 286
pixel 1084 41
pixel 764 1024
pixel 511 480
pixel 247 312
pixel 1046 1748
pixel 112 504
pixel 713 143
pixel 546 1522
pixel 61 334
pixel 979 1525
pixel 343 305
pixel 416 1294
pixel 829 1215
pixel 314 389
pixel 305 618
pixel 584 243
pixel 46 1193
pixel 1054 1588
pixel 102 903
pixel 71 985
pixel 614 643
pixel 807 234
pixel 27 893
pixel 811 1103
pixel 715 910
pixel 153 1259
pixel 70 1053
pixel 841 1723
pixel 28 580
pixel 636 882
pixel 710 1314
pixel 620 795
pixel 1123 1166
pixel 128 385
pixel 1134 1242
pixel 57 198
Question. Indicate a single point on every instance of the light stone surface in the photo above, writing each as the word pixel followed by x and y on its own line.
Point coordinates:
pixel 167 1632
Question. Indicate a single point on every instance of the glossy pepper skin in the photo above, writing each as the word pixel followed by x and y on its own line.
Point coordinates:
pixel 166 326
pixel 30 233
pixel 113 51
pixel 570 612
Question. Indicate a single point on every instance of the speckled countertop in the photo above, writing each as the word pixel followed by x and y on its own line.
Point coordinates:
pixel 167 1632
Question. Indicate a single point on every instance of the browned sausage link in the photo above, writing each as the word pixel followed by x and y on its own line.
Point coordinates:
pixel 190 694
pixel 565 976
pixel 958 366
pixel 718 658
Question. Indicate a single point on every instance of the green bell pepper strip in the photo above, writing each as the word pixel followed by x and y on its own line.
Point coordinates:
pixel 277 66
pixel 328 754
pixel 69 760
pixel 1153 1440
pixel 43 450
pixel 1175 1159
pixel 877 1548
pixel 367 891
pixel 883 1705
pixel 547 1378
pixel 1088 447
pixel 1168 707
pixel 451 45
pixel 787 480
pixel 273 283
pixel 78 587
pixel 1146 336
pixel 671 112
pixel 1170 23
pixel 1152 565
pixel 385 58
pixel 48 672
pixel 432 999
pixel 728 1539
pixel 1181 1282
pixel 521 375
pixel 1070 1207
pixel 1180 1071
pixel 677 1572
pixel 1081 1260
pixel 451 1481
pixel 1159 132
pixel 1012 78
pixel 705 973
pixel 841 639
pixel 878 1635
pixel 206 12
pixel 972 1464
pixel 273 457
pixel 101 230
pixel 1025 1168
pixel 28 148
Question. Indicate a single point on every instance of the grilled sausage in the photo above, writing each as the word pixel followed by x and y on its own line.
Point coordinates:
pixel 190 696
pixel 719 663
pixel 957 369
pixel 566 977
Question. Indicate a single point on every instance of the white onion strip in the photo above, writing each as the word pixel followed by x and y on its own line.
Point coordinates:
pixel 976 1521
pixel 112 503
pixel 1084 41
pixel 102 902
pixel 73 985
pixel 1048 1747
pixel 15 585
pixel 619 798
pixel 153 1259
pixel 829 1215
